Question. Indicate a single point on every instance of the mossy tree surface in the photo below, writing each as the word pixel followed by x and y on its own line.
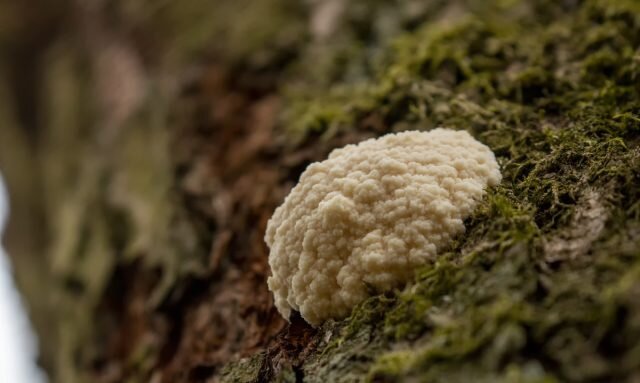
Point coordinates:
pixel 544 285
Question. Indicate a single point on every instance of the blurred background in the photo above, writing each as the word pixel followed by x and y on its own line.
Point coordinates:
pixel 18 349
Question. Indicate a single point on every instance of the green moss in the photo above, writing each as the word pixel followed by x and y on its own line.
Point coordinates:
pixel 244 371
pixel 543 286
pixel 349 347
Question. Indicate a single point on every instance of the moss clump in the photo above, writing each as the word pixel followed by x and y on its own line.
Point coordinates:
pixel 544 285
pixel 244 371
pixel 350 347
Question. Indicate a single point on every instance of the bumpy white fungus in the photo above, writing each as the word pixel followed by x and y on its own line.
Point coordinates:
pixel 365 218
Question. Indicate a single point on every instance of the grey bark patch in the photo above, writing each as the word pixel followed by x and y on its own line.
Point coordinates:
pixel 587 223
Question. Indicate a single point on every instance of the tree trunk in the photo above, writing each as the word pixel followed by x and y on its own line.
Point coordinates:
pixel 145 145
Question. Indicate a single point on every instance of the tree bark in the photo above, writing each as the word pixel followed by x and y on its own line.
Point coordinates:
pixel 146 145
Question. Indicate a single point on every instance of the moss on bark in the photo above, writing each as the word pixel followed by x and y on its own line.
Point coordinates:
pixel 153 218
pixel 543 286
